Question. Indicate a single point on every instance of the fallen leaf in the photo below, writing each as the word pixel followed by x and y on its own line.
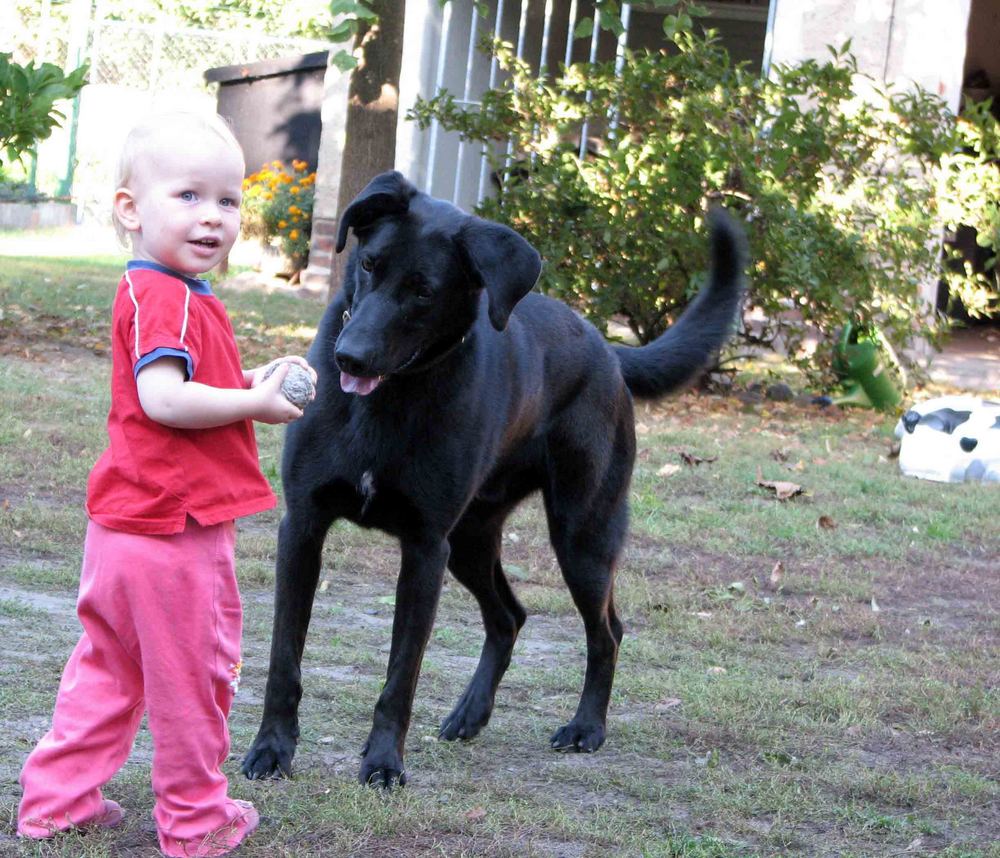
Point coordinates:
pixel 715 671
pixel 826 522
pixel 875 606
pixel 692 459
pixel 737 587
pixel 783 490
pixel 780 455
pixel 668 703
pixel 776 574
pixel 324 585
pixel 476 814
pixel 668 470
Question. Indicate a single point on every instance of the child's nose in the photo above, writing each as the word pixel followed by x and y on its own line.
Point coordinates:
pixel 210 213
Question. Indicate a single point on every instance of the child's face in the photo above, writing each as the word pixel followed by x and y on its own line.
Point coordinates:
pixel 183 204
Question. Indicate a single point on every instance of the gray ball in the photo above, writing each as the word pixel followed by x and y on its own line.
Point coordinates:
pixel 298 387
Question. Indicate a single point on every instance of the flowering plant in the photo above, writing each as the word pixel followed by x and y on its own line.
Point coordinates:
pixel 278 203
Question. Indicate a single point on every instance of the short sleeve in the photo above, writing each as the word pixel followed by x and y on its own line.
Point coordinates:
pixel 158 321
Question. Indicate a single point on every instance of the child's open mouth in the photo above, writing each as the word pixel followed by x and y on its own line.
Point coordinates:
pixel 209 243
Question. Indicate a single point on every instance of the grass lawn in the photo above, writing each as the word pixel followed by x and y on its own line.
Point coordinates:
pixel 809 677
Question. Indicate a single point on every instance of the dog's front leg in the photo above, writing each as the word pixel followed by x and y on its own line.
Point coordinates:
pixel 417 591
pixel 300 546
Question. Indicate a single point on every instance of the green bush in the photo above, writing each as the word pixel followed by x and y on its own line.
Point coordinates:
pixel 843 197
pixel 27 103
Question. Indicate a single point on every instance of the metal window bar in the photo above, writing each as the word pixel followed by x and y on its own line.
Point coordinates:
pixel 543 58
pixel 466 95
pixel 438 83
pixel 620 61
pixel 522 26
pixel 494 68
pixel 570 29
pixel 585 129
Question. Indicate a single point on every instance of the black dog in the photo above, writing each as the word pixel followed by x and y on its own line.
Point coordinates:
pixel 460 393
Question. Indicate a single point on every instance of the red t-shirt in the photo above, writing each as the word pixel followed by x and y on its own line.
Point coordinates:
pixel 152 476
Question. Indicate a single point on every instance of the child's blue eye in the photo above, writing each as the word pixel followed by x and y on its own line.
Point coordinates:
pixel 228 202
pixel 187 196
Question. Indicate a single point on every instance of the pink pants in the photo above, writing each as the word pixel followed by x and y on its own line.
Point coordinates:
pixel 161 620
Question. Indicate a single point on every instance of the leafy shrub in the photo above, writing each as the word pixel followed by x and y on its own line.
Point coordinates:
pixel 843 197
pixel 27 102
pixel 278 203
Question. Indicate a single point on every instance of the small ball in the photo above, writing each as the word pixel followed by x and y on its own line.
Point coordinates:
pixel 297 387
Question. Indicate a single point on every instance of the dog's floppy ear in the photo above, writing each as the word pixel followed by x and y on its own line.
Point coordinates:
pixel 386 194
pixel 501 262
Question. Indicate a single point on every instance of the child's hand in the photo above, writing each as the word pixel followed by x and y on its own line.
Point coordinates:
pixel 255 376
pixel 271 405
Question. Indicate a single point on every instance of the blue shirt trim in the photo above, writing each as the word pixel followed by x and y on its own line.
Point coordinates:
pixel 156 354
pixel 195 284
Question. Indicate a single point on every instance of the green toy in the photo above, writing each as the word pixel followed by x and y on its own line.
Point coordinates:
pixel 868 368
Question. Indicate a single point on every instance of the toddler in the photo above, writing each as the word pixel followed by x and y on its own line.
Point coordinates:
pixel 158 599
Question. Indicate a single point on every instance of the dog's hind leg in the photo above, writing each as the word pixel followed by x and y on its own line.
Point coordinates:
pixel 475 562
pixel 300 547
pixel 587 511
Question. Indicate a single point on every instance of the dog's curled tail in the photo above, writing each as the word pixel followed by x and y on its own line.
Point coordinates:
pixel 677 356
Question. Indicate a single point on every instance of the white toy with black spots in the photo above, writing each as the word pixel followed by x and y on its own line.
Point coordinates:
pixel 951 439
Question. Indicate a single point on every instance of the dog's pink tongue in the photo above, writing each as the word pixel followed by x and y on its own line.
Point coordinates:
pixel 358 385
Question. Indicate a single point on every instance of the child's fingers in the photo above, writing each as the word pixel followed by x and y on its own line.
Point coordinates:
pixel 302 362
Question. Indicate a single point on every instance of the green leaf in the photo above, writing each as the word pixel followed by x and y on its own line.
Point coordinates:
pixel 343 60
pixel 584 29
pixel 343 31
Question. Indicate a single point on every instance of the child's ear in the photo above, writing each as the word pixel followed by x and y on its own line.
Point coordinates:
pixel 125 209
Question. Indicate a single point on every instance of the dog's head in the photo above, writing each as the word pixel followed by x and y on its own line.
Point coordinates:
pixel 413 283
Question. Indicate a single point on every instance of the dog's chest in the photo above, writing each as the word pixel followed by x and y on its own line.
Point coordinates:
pixel 394 473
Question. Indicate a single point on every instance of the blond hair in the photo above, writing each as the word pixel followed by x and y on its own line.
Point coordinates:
pixel 138 139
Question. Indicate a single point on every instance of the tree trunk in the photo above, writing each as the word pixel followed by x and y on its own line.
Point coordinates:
pixel 372 110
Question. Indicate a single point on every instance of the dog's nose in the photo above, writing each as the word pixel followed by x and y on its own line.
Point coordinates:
pixel 350 363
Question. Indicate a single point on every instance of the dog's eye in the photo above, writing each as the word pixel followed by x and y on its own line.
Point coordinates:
pixel 366 263
pixel 419 287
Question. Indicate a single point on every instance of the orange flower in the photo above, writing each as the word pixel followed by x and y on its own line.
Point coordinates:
pixel 294 189
pixel 294 235
pixel 282 224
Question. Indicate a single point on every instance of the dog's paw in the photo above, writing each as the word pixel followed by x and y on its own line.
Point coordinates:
pixel 469 716
pixel 270 755
pixel 578 736
pixel 383 775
